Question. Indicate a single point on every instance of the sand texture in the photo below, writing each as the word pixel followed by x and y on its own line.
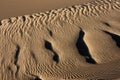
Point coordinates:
pixel 10 8
pixel 80 42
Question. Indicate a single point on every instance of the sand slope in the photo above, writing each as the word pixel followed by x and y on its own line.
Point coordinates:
pixel 10 8
pixel 74 43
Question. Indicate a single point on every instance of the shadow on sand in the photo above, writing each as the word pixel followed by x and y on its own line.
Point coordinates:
pixel 115 37
pixel 83 49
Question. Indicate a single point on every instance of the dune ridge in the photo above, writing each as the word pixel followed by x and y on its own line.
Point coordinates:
pixel 93 8
pixel 73 43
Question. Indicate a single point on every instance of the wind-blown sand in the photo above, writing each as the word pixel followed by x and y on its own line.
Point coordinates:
pixel 10 8
pixel 81 42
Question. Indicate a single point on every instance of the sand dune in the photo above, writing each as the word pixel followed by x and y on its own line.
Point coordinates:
pixel 10 8
pixel 80 42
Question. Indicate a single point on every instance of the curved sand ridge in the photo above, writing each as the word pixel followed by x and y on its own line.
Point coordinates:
pixel 77 42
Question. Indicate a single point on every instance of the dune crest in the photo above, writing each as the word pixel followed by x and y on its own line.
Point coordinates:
pixel 77 42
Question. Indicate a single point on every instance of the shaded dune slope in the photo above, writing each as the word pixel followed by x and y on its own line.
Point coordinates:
pixel 77 42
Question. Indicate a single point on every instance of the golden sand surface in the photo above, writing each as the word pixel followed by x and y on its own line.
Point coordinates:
pixel 80 42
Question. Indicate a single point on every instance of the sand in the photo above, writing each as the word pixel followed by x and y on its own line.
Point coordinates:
pixel 11 8
pixel 80 42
